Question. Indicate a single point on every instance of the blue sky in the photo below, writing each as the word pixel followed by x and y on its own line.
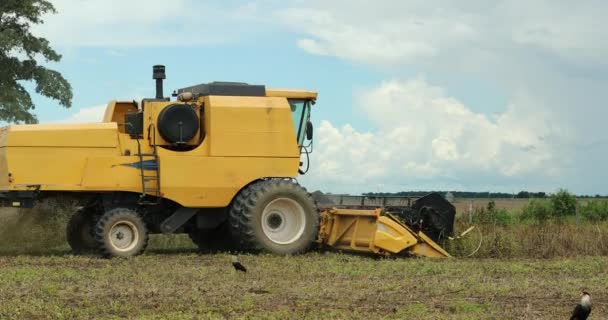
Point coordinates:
pixel 472 95
pixel 126 73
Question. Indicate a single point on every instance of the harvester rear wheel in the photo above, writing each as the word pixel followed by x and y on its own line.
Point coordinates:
pixel 277 216
pixel 121 232
pixel 79 231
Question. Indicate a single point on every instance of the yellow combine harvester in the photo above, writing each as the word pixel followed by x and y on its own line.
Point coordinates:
pixel 217 163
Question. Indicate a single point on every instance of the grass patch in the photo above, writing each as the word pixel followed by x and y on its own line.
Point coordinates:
pixel 415 310
pixel 463 307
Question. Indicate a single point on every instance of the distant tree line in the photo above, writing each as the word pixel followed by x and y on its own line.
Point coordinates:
pixel 472 194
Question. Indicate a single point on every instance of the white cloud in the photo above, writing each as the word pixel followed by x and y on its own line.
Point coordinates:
pixel 547 57
pixel 117 23
pixel 355 33
pixel 85 115
pixel 424 135
pixel 405 31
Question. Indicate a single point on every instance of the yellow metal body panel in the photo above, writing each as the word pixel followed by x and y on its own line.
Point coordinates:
pixel 369 231
pixel 245 139
pixel 215 180
pixel 50 167
pixel 115 112
pixel 94 135
pixel 429 248
pixel 392 236
pixel 292 94
pixel 5 180
pixel 110 173
pixel 52 156
pixel 348 231
pixel 251 126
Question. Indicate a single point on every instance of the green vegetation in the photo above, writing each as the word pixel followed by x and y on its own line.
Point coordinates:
pixel 560 207
pixel 550 240
pixel 544 228
pixel 492 216
pixel 594 211
pixel 538 211
pixel 563 204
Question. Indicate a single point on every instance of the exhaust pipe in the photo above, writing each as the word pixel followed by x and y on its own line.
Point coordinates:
pixel 158 73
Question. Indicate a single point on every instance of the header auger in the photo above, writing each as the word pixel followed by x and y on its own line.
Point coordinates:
pixel 217 163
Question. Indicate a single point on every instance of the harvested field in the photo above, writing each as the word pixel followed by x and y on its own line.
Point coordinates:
pixel 41 279
pixel 183 285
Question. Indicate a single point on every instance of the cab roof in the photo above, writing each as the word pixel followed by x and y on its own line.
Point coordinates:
pixel 244 89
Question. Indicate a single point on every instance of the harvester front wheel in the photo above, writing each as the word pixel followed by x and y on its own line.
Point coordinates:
pixel 79 231
pixel 121 232
pixel 277 216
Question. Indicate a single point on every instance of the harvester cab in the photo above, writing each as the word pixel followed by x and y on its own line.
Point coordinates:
pixel 217 163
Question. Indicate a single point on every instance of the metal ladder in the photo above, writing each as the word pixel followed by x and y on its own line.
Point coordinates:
pixel 150 179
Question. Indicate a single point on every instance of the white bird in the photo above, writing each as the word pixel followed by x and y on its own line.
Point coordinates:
pixel 237 265
pixel 583 309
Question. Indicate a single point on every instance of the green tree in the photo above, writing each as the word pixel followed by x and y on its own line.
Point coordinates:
pixel 19 51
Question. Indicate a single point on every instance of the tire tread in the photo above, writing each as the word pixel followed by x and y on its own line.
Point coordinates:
pixel 108 217
pixel 242 211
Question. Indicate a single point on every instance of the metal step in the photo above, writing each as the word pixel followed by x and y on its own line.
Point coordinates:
pixel 146 176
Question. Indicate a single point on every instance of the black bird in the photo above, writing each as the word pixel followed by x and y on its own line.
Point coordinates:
pixel 583 309
pixel 237 265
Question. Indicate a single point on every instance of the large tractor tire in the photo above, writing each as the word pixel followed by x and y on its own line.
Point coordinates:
pixel 277 216
pixel 121 232
pixel 79 232
pixel 214 240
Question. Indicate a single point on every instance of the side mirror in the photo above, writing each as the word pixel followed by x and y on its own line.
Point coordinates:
pixel 309 130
